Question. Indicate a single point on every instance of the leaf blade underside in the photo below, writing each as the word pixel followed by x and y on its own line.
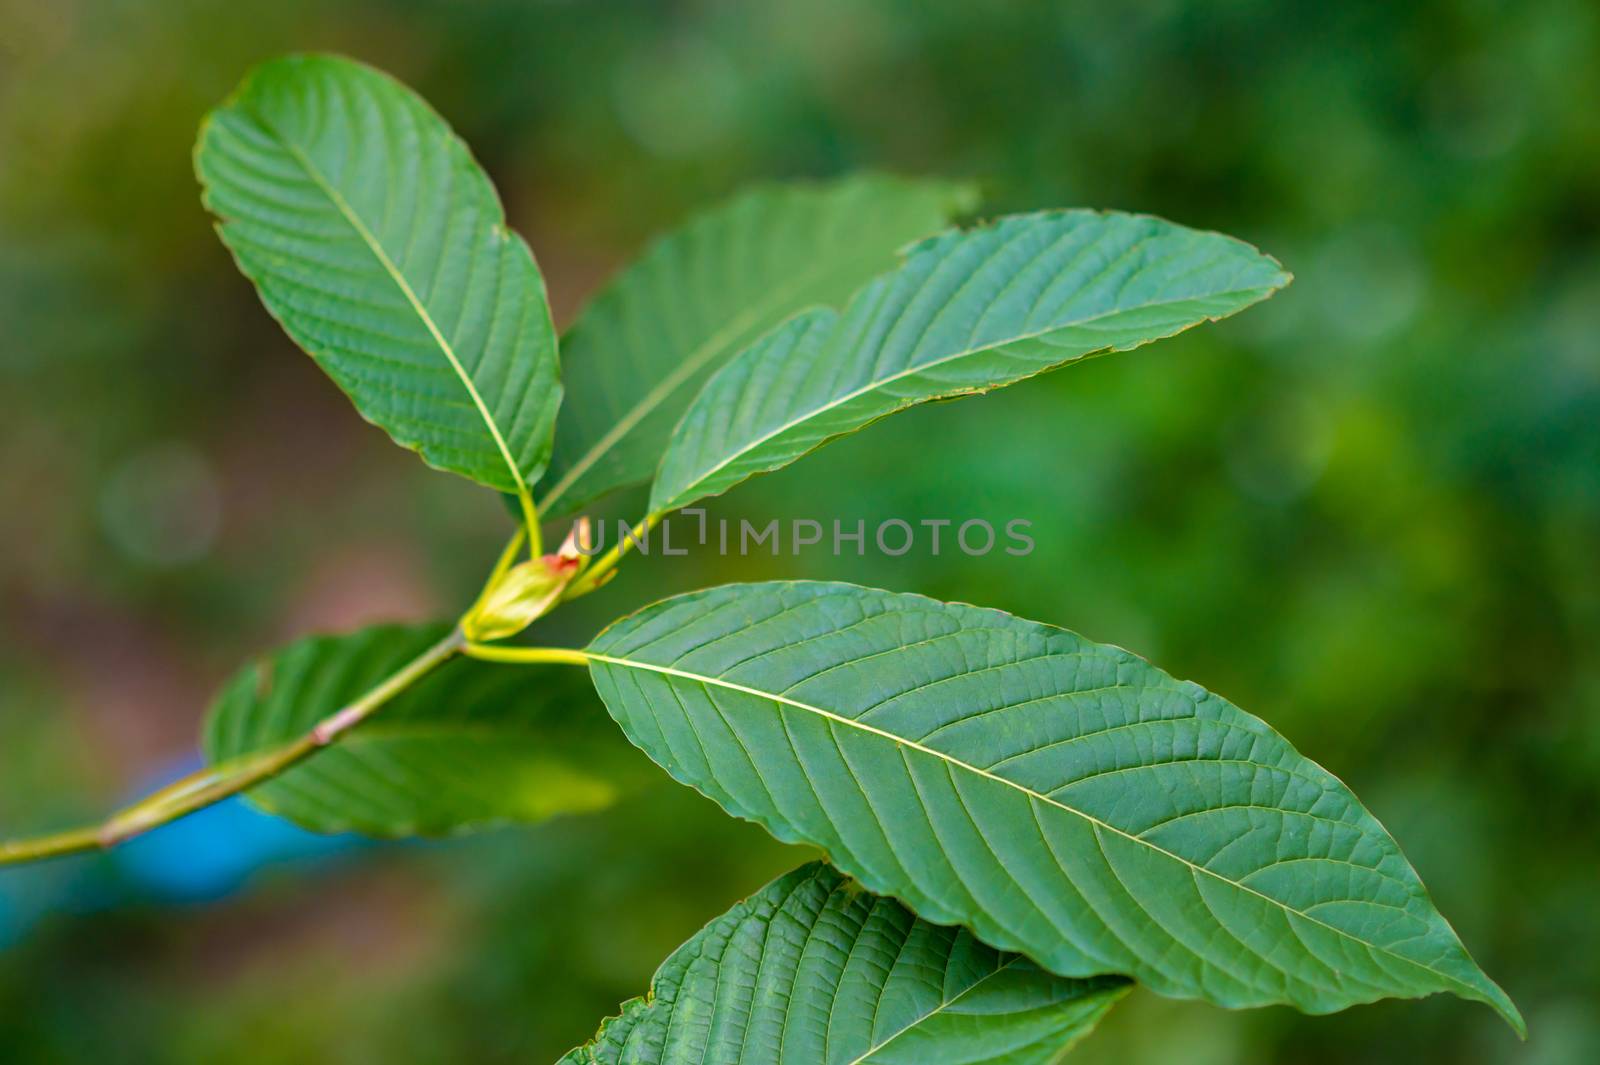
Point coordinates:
pixel 1062 798
pixel 471 746
pixel 378 243
pixel 968 311
pixel 812 970
pixel 649 339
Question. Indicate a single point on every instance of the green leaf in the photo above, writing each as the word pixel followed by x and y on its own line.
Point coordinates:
pixel 968 311
pixel 812 970
pixel 644 346
pixel 376 240
pixel 1061 798
pixel 469 746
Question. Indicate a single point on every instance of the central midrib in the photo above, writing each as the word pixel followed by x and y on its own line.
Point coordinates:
pixel 389 267
pixel 952 760
pixel 915 1022
pixel 911 371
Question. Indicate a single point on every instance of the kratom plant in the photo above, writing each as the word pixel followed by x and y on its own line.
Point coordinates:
pixel 1018 823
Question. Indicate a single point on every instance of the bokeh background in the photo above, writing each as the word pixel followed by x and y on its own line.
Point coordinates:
pixel 1368 510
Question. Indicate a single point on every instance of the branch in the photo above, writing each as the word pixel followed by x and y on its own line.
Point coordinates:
pixel 215 783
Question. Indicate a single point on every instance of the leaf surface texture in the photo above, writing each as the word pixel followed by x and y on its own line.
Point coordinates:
pixel 812 970
pixel 1061 798
pixel 968 311
pixel 380 245
pixel 648 341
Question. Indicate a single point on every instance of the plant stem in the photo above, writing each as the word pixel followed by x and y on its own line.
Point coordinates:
pixel 525 655
pixel 30 850
pixel 595 574
pixel 530 521
pixel 215 783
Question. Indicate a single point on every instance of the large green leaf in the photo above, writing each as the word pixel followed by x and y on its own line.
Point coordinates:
pixel 968 311
pixel 376 240
pixel 1061 798
pixel 469 746
pixel 644 346
pixel 812 970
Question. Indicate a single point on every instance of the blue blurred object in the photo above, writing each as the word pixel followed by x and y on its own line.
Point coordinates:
pixel 213 853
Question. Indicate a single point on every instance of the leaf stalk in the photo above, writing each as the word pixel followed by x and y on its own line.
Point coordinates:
pixel 525 655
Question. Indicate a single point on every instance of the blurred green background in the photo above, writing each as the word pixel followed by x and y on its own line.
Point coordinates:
pixel 1368 510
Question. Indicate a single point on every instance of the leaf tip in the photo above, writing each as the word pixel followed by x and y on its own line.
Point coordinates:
pixel 1496 999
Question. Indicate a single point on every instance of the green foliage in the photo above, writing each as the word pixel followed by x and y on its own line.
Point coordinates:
pixel 471 746
pixel 1053 816
pixel 813 969
pixel 376 240
pixel 967 312
pixel 695 298
pixel 1061 798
